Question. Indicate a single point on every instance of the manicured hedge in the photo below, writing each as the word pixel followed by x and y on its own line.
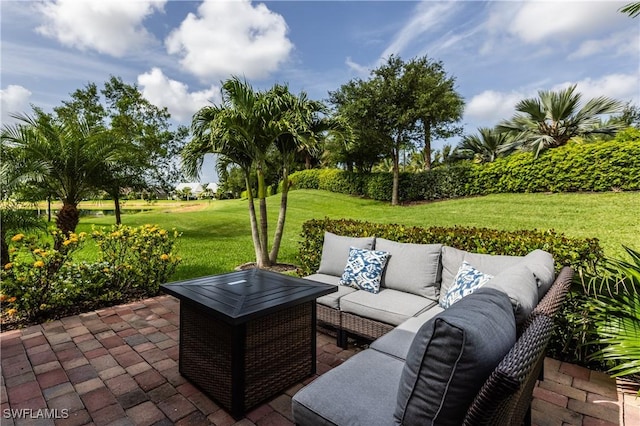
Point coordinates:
pixel 576 252
pixel 601 166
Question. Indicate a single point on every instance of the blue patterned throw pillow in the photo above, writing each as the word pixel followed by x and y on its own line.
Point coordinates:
pixel 467 280
pixel 364 269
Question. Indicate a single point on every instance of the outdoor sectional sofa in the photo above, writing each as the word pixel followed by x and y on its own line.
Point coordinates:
pixel 474 362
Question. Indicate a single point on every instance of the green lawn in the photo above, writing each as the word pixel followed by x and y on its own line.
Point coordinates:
pixel 217 237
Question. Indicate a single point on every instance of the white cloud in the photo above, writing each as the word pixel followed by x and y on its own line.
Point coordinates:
pixel 537 21
pixel 361 70
pixel 231 37
pixel 161 91
pixel 427 17
pixel 618 43
pixel 14 99
pixel 112 27
pixel 623 87
pixel 490 106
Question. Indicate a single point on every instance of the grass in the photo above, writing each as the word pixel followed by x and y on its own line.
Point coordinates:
pixel 216 235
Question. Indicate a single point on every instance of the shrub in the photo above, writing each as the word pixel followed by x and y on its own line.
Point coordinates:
pixel 305 179
pixel 137 260
pixel 340 181
pixel 581 254
pixel 601 166
pixel 33 281
pixel 41 282
pixel 606 319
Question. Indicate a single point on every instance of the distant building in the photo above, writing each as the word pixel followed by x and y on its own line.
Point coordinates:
pixel 213 187
pixel 194 187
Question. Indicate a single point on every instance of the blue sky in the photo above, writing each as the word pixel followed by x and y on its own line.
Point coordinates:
pixel 177 52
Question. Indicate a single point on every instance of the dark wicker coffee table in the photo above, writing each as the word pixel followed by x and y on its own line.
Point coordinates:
pixel 247 336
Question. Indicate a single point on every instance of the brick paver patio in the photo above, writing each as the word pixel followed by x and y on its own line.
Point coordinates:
pixel 118 366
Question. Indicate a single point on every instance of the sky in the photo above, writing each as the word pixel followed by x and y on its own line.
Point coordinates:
pixel 179 52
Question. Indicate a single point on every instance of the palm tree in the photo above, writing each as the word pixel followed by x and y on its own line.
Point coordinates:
pixel 300 126
pixel 553 118
pixel 484 147
pixel 632 9
pixel 63 157
pixel 245 130
pixel 616 314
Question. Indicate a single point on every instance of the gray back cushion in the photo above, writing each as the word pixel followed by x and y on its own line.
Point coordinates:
pixel 412 268
pixel 335 252
pixel 452 259
pixel 451 357
pixel 519 283
pixel 542 265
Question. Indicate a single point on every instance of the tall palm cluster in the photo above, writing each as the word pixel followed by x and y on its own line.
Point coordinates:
pixel 257 132
pixel 548 121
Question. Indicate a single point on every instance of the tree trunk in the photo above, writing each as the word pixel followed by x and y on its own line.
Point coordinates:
pixel 427 144
pixel 277 238
pixel 254 223
pixel 49 208
pixel 66 220
pixel 4 250
pixel 68 217
pixel 396 178
pixel 264 224
pixel 116 203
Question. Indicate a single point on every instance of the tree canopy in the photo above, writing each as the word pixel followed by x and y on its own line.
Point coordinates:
pixel 105 139
pixel 401 106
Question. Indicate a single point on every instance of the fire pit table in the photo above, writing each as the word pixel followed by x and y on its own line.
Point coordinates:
pixel 247 336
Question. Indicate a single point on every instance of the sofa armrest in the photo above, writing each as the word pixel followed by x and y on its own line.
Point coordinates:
pixel 551 303
pixel 506 395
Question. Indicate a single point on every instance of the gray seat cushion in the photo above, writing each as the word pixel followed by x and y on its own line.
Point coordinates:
pixel 519 283
pixel 398 341
pixel 362 391
pixel 388 306
pixel 412 268
pixel 335 252
pixel 451 356
pixel 452 259
pixel 331 300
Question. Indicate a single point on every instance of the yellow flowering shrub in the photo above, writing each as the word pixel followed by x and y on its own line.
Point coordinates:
pixel 41 281
pixel 31 281
pixel 139 259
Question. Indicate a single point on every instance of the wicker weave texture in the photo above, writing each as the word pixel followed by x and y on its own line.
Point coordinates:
pixel 279 353
pixel 364 327
pixel 553 300
pixel 206 353
pixel 276 351
pixel 328 315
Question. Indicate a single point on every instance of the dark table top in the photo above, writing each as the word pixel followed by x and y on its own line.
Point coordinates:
pixel 241 296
